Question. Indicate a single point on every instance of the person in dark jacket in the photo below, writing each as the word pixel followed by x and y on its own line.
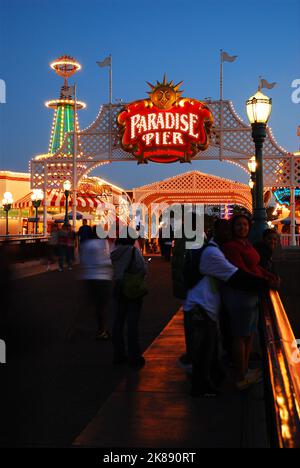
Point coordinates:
pixel 179 285
pixel 266 249
pixel 127 258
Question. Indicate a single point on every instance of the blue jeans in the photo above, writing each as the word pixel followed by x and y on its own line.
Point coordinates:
pixel 65 254
pixel 129 311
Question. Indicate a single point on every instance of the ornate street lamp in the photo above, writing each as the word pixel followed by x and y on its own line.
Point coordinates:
pixel 259 109
pixel 67 189
pixel 37 197
pixel 7 204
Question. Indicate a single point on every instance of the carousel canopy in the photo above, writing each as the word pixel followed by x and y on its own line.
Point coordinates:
pixel 57 198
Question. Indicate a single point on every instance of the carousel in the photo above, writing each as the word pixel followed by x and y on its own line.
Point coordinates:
pixel 283 211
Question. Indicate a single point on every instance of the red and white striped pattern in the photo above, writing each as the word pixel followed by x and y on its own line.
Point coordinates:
pixel 57 198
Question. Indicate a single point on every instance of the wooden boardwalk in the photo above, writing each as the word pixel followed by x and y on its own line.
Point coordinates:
pixel 152 408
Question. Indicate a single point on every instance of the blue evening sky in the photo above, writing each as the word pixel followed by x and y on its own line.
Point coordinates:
pixel 146 39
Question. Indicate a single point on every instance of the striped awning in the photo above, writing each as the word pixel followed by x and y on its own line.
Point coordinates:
pixel 57 198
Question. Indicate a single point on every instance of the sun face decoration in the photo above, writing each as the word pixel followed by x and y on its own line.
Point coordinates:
pixel 164 95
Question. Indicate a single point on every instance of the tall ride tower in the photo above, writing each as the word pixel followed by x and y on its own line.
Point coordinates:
pixel 65 115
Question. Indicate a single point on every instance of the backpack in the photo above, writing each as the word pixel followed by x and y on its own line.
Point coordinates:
pixel 191 266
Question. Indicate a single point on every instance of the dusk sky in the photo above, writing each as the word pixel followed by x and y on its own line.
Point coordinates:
pixel 146 39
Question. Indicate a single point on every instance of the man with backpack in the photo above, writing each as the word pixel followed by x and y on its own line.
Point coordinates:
pixel 204 269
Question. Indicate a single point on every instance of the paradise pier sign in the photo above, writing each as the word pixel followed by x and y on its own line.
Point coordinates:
pixel 165 127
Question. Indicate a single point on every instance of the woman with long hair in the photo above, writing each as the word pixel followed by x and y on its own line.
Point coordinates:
pixel 243 306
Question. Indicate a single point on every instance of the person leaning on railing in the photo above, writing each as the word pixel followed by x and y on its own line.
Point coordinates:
pixel 266 249
pixel 204 304
pixel 243 306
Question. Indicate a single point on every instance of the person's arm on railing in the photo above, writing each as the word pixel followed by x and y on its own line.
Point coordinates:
pixel 246 281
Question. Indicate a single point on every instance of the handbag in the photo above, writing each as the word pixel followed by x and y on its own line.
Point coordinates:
pixel 134 284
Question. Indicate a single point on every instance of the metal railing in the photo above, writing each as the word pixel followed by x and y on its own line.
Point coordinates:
pixel 25 248
pixel 286 240
pixel 23 238
pixel 282 366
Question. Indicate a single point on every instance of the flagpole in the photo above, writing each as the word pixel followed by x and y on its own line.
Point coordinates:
pixel 221 105
pixel 74 207
pixel 110 80
pixel 221 75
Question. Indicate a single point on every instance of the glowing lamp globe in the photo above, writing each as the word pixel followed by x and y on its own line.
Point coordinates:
pixel 7 199
pixel 251 184
pixel 259 108
pixel 252 164
pixel 37 195
pixel 67 186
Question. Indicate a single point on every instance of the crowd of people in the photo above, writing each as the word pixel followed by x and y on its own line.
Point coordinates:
pixel 219 284
pixel 113 272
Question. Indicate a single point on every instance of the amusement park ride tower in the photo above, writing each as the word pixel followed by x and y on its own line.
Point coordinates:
pixel 65 116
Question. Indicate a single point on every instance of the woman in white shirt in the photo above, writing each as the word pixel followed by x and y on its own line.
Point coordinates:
pixel 97 273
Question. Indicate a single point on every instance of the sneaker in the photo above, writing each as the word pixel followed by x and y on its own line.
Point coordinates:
pixel 243 385
pixel 60 270
pixel 254 373
pixel 103 336
pixel 255 376
pixel 70 268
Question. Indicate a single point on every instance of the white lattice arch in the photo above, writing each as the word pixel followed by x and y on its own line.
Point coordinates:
pixel 194 187
pixel 99 144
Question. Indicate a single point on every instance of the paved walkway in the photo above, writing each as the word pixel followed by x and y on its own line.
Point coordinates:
pixel 57 376
pixel 32 268
pixel 62 387
pixel 152 407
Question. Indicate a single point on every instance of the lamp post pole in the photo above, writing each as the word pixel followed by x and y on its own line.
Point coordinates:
pixel 37 198
pixel 67 188
pixel 260 214
pixel 7 204
pixel 259 109
pixel 67 193
pixel 7 208
pixel 36 204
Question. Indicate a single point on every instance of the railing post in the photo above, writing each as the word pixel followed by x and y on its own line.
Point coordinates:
pixel 293 203
pixel 293 218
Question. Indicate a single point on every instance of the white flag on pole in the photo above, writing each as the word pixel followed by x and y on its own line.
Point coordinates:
pixel 69 91
pixel 264 84
pixel 228 58
pixel 105 63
